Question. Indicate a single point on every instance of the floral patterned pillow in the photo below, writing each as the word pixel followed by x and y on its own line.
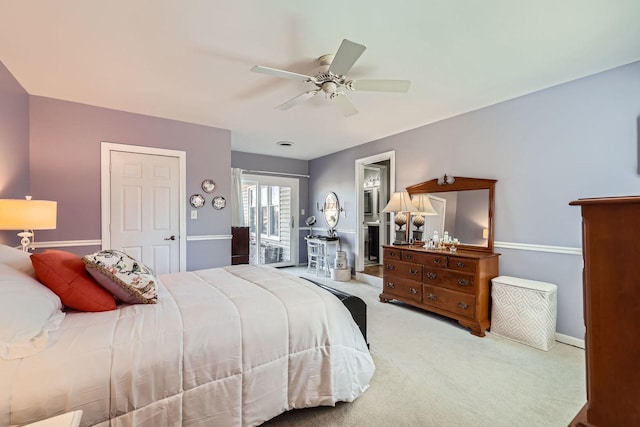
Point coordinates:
pixel 127 279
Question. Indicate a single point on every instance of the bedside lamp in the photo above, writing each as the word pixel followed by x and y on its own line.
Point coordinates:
pixel 27 215
pixel 425 208
pixel 400 203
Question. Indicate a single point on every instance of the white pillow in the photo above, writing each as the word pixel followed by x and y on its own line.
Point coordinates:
pixel 28 312
pixel 16 258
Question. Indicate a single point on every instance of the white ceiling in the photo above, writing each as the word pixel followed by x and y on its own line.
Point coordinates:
pixel 190 60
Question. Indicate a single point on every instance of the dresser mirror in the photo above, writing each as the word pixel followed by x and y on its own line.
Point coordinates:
pixel 464 208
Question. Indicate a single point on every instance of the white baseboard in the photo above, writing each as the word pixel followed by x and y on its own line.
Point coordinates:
pixel 566 339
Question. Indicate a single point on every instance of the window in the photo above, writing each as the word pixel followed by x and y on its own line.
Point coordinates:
pixel 274 212
pixel 270 211
pixel 269 204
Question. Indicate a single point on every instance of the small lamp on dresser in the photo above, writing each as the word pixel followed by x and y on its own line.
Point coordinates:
pixel 400 203
pixel 27 215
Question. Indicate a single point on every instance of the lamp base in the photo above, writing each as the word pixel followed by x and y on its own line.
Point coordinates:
pixel 401 238
pixel 25 241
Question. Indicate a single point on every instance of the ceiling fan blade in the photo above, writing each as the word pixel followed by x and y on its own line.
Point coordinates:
pixel 279 73
pixel 347 55
pixel 381 85
pixel 344 104
pixel 297 100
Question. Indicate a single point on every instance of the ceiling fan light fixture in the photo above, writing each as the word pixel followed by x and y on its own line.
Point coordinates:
pixel 329 87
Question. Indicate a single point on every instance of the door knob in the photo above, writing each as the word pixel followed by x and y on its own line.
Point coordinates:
pixel 170 238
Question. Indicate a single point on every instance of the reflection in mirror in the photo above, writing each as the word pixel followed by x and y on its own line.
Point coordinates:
pixel 464 208
pixel 463 215
pixel 331 209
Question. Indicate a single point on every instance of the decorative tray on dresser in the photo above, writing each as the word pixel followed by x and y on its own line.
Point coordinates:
pixel 453 284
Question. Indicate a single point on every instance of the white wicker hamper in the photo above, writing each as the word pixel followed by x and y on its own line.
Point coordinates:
pixel 524 311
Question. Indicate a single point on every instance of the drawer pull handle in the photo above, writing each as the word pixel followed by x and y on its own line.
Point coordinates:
pixel 392 253
pixel 413 291
pixel 413 272
pixel 390 285
pixel 436 260
pixel 463 305
pixel 432 297
pixel 460 264
pixel 431 275
pixel 390 267
pixel 408 256
pixel 464 282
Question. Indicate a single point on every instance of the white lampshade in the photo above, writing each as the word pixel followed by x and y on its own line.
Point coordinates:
pixel 21 214
pixel 423 204
pixel 400 202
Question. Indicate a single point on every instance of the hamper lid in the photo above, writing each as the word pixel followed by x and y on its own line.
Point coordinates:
pixel 524 283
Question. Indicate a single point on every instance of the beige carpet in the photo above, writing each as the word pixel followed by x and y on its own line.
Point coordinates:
pixel 432 372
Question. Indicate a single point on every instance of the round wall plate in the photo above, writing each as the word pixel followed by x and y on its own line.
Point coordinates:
pixel 219 202
pixel 197 201
pixel 208 185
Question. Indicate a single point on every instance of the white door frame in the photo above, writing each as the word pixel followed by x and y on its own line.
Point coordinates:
pixel 105 190
pixel 360 164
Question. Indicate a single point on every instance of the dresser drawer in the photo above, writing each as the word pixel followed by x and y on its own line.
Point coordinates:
pixel 446 299
pixel 435 276
pixel 404 288
pixel 391 254
pixel 459 282
pixel 429 260
pixel 463 264
pixel 450 279
pixel 403 270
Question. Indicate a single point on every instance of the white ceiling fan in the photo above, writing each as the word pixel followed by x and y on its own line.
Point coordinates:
pixel 333 81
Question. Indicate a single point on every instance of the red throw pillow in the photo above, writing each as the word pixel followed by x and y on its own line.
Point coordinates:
pixel 65 274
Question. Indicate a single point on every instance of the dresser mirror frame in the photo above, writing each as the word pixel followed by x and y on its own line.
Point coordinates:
pixel 463 184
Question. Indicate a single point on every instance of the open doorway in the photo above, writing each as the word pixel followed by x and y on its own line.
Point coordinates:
pixel 375 180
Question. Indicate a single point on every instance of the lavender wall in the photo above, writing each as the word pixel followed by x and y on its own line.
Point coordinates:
pixel 578 139
pixel 65 139
pixel 258 162
pixel 14 144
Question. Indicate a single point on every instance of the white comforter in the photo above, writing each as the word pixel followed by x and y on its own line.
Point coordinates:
pixel 230 346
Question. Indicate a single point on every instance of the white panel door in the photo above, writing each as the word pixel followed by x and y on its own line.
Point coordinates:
pixel 145 209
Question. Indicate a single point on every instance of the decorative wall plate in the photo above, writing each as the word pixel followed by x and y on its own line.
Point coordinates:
pixel 219 202
pixel 208 185
pixel 197 201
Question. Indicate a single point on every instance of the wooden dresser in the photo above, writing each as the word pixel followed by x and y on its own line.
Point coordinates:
pixel 611 284
pixel 453 284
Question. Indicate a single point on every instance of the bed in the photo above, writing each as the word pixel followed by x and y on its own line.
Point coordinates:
pixel 232 346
